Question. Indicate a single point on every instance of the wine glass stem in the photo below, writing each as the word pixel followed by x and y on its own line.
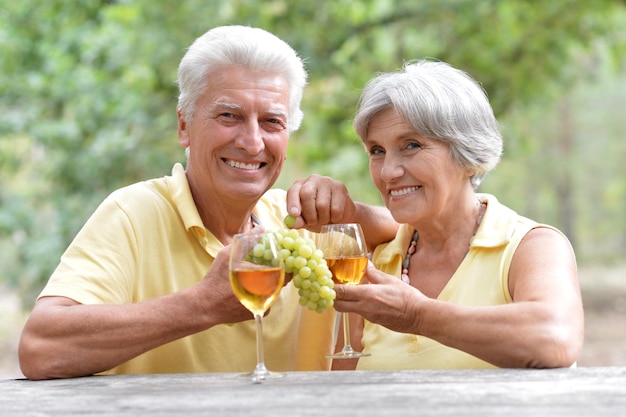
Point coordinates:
pixel 347 348
pixel 260 359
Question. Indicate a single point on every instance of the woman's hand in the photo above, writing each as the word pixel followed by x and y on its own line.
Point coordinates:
pixel 384 300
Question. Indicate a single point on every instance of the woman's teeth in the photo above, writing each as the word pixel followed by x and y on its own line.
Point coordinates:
pixel 403 191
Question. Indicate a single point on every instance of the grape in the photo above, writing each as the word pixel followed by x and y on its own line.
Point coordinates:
pixel 311 275
pixel 289 221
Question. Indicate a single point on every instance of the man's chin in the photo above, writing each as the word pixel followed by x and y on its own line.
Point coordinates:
pixel 248 191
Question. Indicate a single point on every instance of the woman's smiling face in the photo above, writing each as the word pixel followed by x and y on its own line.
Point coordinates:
pixel 415 176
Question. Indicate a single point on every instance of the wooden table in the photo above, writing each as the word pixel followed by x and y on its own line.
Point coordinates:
pixel 502 392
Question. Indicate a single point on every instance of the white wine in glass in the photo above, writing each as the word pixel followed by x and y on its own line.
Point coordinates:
pixel 256 276
pixel 345 252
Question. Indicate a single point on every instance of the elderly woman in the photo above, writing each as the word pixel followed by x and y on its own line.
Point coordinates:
pixel 467 282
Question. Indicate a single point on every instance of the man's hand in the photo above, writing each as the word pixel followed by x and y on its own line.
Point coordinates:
pixel 317 200
pixel 221 303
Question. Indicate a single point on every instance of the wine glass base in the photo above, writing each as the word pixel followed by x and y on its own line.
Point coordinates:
pixel 347 355
pixel 260 375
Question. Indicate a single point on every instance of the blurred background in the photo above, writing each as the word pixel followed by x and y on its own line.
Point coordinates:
pixel 88 104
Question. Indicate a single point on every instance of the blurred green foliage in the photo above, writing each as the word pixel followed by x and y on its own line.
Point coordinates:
pixel 88 99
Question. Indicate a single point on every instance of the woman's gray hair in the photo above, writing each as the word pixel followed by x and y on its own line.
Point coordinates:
pixel 439 102
pixel 239 45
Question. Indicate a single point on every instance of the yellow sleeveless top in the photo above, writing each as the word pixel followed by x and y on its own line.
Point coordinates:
pixel 480 280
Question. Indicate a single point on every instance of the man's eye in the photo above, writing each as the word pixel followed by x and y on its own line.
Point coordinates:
pixel 276 122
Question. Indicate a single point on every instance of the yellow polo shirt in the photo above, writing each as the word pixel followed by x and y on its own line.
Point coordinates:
pixel 480 280
pixel 147 240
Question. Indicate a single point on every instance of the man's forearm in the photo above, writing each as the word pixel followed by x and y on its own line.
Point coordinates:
pixel 377 223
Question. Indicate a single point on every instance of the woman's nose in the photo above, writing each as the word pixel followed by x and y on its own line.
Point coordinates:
pixel 391 169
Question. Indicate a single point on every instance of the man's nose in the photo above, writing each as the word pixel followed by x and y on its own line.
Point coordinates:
pixel 251 138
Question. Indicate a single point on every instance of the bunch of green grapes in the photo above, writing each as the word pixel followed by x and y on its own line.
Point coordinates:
pixel 311 275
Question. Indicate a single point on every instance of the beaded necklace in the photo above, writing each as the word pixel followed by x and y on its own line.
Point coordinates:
pixel 413 245
pixel 407 259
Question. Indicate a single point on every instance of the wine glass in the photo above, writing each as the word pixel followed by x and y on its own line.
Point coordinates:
pixel 256 275
pixel 345 252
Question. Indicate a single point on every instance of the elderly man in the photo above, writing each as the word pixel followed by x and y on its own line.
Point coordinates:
pixel 144 287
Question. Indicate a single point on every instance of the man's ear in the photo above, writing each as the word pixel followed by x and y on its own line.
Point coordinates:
pixel 183 135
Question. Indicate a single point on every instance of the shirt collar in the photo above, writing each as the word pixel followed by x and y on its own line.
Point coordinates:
pixel 182 198
pixel 497 225
pixel 496 229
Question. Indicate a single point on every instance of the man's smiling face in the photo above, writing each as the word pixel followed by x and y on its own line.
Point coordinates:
pixel 238 135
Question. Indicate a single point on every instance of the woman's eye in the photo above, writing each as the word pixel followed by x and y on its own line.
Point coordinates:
pixel 413 145
pixel 374 151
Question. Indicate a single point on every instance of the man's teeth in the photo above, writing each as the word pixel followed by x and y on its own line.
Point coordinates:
pixel 242 165
pixel 403 191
